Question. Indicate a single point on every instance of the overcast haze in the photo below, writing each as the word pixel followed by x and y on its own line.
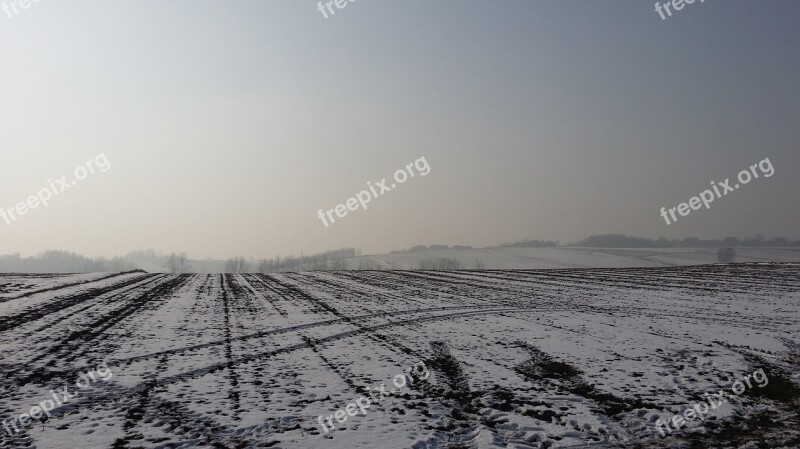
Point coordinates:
pixel 228 125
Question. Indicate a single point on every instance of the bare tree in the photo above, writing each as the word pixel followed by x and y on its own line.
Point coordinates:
pixel 479 265
pixel 442 263
pixel 236 265
pixel 177 263
pixel 322 261
pixel 368 264
pixel 726 255
pixel 337 264
pixel 319 265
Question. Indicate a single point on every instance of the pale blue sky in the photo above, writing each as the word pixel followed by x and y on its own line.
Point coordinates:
pixel 229 124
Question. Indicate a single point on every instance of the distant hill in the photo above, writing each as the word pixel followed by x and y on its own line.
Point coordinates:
pixel 513 257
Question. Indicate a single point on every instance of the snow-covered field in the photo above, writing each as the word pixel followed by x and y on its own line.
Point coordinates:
pixel 516 359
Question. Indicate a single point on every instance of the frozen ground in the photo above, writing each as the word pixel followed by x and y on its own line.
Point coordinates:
pixel 517 359
pixel 14 286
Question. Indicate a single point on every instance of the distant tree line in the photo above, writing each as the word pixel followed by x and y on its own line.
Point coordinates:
pixel 625 241
pixel 446 263
pixel 177 263
pixel 67 262
pixel 369 264
pixel 531 244
pixel 236 265
pixel 329 260
pixel 62 262
pixel 421 248
pixel 442 263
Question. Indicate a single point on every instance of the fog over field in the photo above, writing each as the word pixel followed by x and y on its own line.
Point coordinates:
pixel 399 224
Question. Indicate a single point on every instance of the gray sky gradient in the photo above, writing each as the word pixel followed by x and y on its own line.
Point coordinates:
pixel 229 124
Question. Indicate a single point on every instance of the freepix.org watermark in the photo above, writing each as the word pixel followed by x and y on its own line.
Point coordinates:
pixel 715 400
pixel 416 372
pixel 677 5
pixel 10 6
pixel 706 197
pixel 59 398
pixel 362 198
pixel 340 4
pixel 53 188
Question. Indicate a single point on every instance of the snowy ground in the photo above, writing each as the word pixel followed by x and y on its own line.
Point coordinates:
pixel 14 286
pixel 516 359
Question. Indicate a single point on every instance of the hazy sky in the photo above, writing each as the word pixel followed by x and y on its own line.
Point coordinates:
pixel 229 124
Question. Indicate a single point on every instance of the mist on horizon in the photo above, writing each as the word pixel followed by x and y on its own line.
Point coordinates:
pixel 261 129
